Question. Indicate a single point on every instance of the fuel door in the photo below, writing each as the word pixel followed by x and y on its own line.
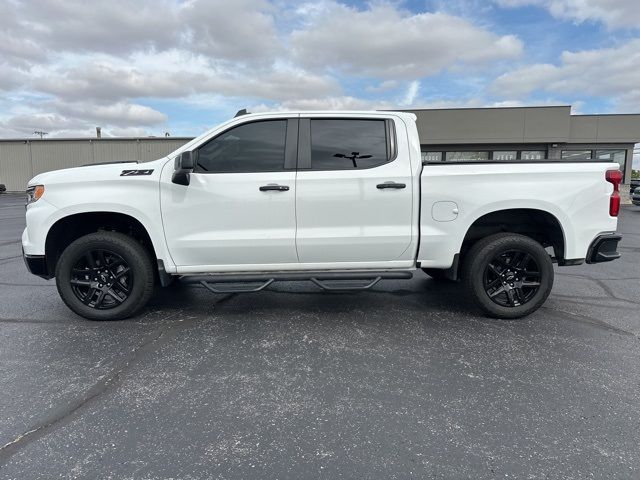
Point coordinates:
pixel 444 211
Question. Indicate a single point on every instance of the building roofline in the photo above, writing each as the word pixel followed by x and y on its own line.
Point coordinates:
pixel 91 139
pixel 607 115
pixel 481 108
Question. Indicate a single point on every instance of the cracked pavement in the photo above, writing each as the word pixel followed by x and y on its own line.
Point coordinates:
pixel 403 381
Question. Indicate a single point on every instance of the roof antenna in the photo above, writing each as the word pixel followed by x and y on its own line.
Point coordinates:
pixel 241 112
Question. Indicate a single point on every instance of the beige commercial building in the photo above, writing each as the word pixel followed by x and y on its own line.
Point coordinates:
pixel 446 135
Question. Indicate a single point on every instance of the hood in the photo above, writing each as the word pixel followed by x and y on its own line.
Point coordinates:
pixel 94 172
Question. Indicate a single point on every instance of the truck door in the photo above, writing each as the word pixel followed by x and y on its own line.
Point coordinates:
pixel 238 212
pixel 353 191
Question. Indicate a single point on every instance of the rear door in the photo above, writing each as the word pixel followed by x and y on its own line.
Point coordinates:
pixel 238 213
pixel 354 192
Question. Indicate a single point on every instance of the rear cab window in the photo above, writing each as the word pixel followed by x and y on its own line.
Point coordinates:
pixel 345 143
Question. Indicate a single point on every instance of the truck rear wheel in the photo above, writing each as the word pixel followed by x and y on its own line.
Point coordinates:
pixel 105 276
pixel 508 275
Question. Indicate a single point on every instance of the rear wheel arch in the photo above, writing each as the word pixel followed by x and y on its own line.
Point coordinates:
pixel 539 225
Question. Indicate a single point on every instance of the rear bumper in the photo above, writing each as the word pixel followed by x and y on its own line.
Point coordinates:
pixel 37 264
pixel 604 248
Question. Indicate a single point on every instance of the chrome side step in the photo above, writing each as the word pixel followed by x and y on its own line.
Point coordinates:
pixel 330 281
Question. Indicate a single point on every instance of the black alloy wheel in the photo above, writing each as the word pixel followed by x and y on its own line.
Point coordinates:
pixel 105 276
pixel 507 275
pixel 512 278
pixel 101 279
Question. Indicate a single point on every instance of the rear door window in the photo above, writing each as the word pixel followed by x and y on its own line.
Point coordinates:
pixel 348 144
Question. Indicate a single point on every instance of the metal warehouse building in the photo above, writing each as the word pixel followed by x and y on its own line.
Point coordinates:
pixel 447 135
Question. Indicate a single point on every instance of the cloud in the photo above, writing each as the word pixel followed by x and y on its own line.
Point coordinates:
pixel 109 82
pixel 121 114
pixel 326 103
pixel 73 119
pixel 117 26
pixel 237 30
pixel 609 72
pixel 412 93
pixel 385 42
pixel 613 13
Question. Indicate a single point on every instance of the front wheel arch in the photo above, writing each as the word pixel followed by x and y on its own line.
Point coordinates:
pixel 70 228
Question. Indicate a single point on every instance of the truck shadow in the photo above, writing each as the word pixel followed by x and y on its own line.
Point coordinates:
pixel 421 296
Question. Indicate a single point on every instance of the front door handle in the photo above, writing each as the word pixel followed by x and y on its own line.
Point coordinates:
pixel 384 185
pixel 274 187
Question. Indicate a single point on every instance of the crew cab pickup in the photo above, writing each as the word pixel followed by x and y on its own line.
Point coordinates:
pixel 341 199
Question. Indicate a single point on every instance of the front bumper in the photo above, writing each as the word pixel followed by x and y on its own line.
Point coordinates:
pixel 37 264
pixel 604 248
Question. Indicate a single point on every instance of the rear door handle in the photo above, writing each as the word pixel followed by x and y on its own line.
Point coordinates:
pixel 384 185
pixel 273 186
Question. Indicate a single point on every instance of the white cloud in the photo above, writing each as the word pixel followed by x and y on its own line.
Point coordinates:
pixel 386 42
pixel 237 30
pixel 614 13
pixel 612 73
pixel 411 94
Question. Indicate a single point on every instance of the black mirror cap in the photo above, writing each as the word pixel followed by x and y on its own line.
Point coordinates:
pixel 187 160
pixel 184 165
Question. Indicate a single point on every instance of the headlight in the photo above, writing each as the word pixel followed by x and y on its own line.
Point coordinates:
pixel 34 193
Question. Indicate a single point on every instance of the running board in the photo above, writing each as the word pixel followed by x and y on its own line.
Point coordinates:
pixel 330 281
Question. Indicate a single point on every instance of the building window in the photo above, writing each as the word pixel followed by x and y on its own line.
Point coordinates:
pixel 576 154
pixel 532 154
pixel 431 156
pixel 505 155
pixel 619 156
pixel 467 156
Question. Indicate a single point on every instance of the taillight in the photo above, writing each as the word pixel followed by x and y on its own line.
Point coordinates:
pixel 614 177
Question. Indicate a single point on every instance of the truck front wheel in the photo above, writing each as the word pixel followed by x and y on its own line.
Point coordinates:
pixel 508 275
pixel 105 276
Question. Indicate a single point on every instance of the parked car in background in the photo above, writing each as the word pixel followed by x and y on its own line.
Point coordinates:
pixel 330 197
pixel 635 198
pixel 634 184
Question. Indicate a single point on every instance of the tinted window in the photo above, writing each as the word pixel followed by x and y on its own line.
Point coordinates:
pixel 253 147
pixel 344 144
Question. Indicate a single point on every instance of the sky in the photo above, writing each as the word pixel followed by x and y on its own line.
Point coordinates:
pixel 151 67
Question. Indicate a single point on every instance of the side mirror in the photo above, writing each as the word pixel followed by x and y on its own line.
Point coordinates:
pixel 184 165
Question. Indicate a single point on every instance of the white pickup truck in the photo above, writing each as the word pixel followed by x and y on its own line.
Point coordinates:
pixel 341 199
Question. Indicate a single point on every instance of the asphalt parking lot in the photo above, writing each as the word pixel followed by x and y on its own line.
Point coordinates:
pixel 403 381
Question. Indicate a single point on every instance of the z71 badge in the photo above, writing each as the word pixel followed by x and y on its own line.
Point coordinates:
pixel 132 173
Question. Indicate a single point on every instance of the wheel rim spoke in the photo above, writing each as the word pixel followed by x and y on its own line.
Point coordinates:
pixel 115 296
pixel 89 296
pixel 512 277
pixel 497 292
pixel 120 287
pixel 101 279
pixel 121 273
pixel 511 294
pixel 100 299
